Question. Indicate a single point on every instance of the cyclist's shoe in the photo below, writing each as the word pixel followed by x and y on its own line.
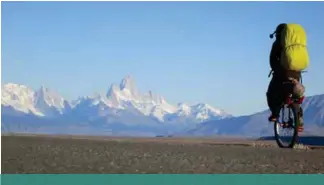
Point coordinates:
pixel 272 118
pixel 301 125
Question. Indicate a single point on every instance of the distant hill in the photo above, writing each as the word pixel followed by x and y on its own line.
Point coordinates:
pixel 257 124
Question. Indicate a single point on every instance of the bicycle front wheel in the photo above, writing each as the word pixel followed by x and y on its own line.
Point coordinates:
pixel 286 127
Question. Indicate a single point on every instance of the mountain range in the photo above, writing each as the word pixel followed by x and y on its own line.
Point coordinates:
pixel 124 110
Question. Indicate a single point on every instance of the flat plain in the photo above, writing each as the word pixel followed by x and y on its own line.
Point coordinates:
pixel 93 154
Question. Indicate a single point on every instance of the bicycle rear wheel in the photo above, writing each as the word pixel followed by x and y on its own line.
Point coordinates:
pixel 287 122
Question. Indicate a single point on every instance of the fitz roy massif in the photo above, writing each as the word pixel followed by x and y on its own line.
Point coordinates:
pixel 124 110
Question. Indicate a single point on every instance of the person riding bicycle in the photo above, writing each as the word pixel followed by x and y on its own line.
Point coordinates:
pixel 280 74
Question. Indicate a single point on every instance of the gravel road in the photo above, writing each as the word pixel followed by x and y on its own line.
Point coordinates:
pixel 25 154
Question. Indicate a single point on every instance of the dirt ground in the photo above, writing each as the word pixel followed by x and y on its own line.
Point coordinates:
pixel 79 154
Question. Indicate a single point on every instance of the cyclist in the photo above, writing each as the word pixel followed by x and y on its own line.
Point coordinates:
pixel 275 93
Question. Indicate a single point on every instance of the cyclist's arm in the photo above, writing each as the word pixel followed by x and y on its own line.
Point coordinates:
pixel 275 56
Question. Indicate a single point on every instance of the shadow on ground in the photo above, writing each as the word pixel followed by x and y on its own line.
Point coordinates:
pixel 306 140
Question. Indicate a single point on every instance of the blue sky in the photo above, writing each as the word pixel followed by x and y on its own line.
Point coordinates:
pixel 213 52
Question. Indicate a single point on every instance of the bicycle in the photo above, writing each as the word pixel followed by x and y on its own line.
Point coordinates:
pixel 292 123
pixel 292 104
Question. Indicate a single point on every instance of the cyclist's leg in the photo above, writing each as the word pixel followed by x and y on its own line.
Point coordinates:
pixel 269 94
pixel 297 75
pixel 300 120
pixel 274 97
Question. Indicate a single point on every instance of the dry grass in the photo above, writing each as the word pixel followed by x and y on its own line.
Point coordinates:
pixel 261 144
pixel 301 147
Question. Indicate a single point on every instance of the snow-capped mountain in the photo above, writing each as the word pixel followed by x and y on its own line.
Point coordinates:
pixel 199 112
pixel 43 102
pixel 19 98
pixel 122 104
pixel 257 124
pixel 50 103
pixel 127 96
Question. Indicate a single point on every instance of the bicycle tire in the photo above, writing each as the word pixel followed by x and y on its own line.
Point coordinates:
pixel 295 110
